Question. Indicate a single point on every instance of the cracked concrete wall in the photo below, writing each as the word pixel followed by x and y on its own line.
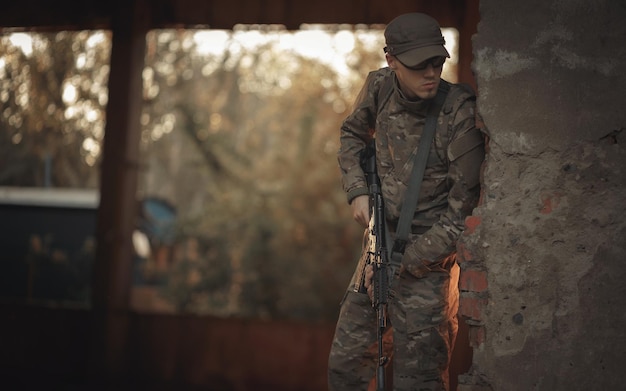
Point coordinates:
pixel 550 232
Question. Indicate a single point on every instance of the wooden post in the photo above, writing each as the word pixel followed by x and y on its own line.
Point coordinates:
pixel 118 187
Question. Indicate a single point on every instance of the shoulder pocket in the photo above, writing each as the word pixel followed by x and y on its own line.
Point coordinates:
pixel 465 143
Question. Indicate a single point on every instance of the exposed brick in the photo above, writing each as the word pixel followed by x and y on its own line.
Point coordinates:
pixel 477 336
pixel 549 202
pixel 473 280
pixel 472 306
pixel 471 223
pixel 463 253
pixel 546 205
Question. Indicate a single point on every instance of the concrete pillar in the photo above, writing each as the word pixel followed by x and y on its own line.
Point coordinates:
pixel 545 264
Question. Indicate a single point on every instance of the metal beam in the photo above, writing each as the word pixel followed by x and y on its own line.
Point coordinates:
pixel 221 14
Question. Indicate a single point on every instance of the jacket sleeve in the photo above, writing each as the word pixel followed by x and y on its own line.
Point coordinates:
pixel 465 154
pixel 356 132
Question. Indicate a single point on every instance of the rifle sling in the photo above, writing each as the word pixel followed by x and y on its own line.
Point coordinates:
pixel 417 175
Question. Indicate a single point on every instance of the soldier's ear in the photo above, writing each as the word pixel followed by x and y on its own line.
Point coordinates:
pixel 391 61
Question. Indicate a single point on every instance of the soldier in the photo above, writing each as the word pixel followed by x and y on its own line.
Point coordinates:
pixel 423 298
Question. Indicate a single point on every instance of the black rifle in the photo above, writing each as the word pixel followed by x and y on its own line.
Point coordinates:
pixel 378 256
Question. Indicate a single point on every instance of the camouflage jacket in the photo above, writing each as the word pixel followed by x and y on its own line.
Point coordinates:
pixel 450 188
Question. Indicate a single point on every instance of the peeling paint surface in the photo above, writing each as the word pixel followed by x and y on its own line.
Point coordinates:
pixel 495 64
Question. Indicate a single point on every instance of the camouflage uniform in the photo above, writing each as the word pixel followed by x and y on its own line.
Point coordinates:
pixel 424 298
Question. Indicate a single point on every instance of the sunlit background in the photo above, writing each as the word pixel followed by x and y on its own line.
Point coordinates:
pixel 242 211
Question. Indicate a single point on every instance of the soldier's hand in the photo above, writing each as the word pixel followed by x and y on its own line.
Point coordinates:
pixel 361 210
pixel 369 281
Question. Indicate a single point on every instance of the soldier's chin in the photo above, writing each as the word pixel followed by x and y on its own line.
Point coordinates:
pixel 427 93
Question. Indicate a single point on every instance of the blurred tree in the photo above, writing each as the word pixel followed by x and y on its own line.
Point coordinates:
pixel 52 101
pixel 256 167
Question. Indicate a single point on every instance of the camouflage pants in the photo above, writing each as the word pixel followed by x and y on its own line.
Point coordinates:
pixel 422 312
